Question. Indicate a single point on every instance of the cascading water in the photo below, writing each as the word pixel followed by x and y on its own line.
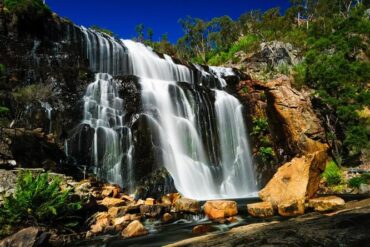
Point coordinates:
pixel 184 155
pixel 104 112
pixel 235 150
pixel 48 110
pixel 202 136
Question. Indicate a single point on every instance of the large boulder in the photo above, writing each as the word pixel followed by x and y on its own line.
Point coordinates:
pixel 296 180
pixel 271 55
pixel 220 209
pixel 324 204
pixel 187 205
pixel 291 208
pixel 112 202
pixel 152 210
pixel 27 237
pixel 134 229
pixel 261 209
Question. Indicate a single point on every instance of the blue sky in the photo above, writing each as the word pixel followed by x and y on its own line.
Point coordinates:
pixel 162 16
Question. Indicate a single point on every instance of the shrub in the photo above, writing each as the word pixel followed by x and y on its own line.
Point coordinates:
pixel 266 153
pixel 259 126
pixel 21 6
pixel 3 111
pixel 355 182
pixel 32 92
pixel 247 44
pixel 31 15
pixel 36 200
pixel 332 174
pixel 103 30
pixel 299 74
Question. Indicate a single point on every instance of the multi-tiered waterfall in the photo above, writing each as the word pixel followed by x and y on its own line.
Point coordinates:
pixel 199 126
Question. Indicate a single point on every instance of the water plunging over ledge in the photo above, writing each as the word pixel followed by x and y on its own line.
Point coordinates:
pixel 203 139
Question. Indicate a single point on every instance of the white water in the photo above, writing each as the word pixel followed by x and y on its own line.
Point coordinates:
pixel 146 63
pixel 184 152
pixel 103 111
pixel 48 110
pixel 235 150
pixel 105 53
pixel 202 133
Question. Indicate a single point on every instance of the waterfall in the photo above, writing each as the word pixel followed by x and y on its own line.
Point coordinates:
pixel 237 162
pixel 104 112
pixel 185 155
pixel 201 131
pixel 48 110
pixel 105 54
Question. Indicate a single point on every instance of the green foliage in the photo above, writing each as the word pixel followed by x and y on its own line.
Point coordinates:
pixel 31 93
pixel 139 28
pixel 332 174
pixel 266 153
pixel 3 111
pixel 299 74
pixel 37 200
pixel 17 5
pixel 260 126
pixel 103 30
pixel 23 6
pixel 340 79
pixel 355 182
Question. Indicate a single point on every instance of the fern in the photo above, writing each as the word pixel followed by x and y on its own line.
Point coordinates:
pixel 37 200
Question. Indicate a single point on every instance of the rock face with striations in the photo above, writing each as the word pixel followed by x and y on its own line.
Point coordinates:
pixel 294 129
pixel 295 124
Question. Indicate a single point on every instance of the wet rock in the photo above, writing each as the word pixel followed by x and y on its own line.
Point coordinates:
pixel 187 205
pixel 296 180
pixel 151 210
pixel 324 204
pixel 291 208
pixel 220 209
pixel 167 217
pixel 201 229
pixel 261 209
pixel 102 221
pixel 127 198
pixel 112 202
pixel 166 200
pixel 134 229
pixel 364 189
pixel 110 191
pixel 149 201
pixel 28 237
pixel 83 188
pixel 120 211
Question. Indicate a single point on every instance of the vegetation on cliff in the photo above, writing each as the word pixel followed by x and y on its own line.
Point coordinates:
pixel 331 36
pixel 37 200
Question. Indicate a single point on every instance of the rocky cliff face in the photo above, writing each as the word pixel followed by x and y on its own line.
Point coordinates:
pixel 293 128
pixel 46 77
pixel 47 73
